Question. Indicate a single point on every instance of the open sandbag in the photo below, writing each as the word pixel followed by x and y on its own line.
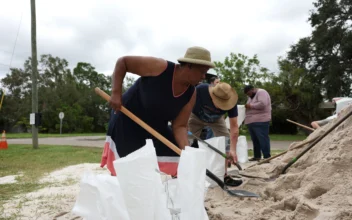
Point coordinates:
pixel 215 163
pixel 100 198
pixel 139 177
pixel 191 183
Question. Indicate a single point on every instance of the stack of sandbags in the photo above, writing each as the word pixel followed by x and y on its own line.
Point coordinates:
pixel 138 192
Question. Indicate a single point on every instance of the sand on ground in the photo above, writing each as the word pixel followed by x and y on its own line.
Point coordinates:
pixel 318 186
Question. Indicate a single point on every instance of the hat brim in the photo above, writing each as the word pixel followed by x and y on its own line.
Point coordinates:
pixel 224 104
pixel 195 61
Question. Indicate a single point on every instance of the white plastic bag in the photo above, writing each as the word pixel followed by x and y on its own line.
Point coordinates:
pixel 141 185
pixel 100 198
pixel 240 117
pixel 242 149
pixel 191 182
pixel 241 114
pixel 215 163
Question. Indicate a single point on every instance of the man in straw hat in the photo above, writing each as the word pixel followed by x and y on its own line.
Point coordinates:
pixel 164 92
pixel 211 104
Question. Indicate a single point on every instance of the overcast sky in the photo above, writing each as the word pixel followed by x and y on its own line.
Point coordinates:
pixel 99 32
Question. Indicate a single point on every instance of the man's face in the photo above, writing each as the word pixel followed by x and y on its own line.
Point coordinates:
pixel 197 73
pixel 251 93
pixel 215 82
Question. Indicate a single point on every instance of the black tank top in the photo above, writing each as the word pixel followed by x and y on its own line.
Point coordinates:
pixel 152 98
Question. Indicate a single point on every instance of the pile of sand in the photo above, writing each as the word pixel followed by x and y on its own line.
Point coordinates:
pixel 317 186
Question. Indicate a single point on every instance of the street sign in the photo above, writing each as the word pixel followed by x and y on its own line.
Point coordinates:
pixel 61 116
pixel 32 119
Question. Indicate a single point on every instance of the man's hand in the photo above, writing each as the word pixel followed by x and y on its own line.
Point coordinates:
pixel 247 106
pixel 115 102
pixel 233 156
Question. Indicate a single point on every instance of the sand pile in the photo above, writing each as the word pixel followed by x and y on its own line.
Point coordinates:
pixel 318 186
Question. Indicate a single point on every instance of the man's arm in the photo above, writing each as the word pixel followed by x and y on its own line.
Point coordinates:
pixel 234 132
pixel 262 98
pixel 139 65
pixel 179 125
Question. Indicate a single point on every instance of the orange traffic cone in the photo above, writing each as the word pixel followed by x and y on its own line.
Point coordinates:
pixel 3 142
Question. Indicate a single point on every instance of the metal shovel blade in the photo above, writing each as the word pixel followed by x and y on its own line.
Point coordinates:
pixel 241 193
pixel 238 193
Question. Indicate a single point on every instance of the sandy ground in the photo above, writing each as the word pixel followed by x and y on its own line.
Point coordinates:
pixel 58 198
pixel 318 186
pixel 98 141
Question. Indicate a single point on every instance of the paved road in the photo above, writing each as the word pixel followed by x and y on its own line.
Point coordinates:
pixel 98 141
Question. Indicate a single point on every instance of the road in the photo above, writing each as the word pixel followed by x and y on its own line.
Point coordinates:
pixel 98 141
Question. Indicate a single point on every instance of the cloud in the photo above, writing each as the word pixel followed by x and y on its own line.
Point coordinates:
pixel 99 32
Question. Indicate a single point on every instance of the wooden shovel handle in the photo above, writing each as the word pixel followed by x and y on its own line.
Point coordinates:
pixel 141 123
pixel 303 126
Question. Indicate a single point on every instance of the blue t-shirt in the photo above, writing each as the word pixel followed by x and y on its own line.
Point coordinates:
pixel 204 108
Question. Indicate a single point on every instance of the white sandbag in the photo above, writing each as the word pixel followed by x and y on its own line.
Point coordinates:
pixel 191 178
pixel 162 211
pixel 242 149
pixel 241 114
pixel 140 181
pixel 215 163
pixel 100 198
pixel 240 117
pixel 173 198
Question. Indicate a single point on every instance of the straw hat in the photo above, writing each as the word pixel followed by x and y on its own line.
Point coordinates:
pixel 223 96
pixel 197 55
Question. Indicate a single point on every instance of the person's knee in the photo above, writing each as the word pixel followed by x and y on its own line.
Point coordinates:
pixel 315 125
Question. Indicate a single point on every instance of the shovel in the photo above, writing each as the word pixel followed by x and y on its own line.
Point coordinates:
pixel 214 149
pixel 238 193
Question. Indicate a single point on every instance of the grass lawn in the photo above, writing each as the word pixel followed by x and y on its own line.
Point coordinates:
pixel 29 135
pixel 33 164
pixel 273 137
pixel 284 137
pixel 272 152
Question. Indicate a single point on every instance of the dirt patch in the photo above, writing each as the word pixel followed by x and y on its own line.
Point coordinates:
pixel 58 198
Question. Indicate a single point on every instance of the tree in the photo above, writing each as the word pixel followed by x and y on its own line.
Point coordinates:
pixel 327 53
pixel 239 69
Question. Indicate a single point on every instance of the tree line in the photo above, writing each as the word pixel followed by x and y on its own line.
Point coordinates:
pixel 315 69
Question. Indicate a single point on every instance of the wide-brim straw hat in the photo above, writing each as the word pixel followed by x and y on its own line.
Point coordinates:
pixel 197 55
pixel 223 96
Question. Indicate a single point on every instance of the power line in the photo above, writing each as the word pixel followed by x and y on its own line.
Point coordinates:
pixel 14 46
pixel 4 64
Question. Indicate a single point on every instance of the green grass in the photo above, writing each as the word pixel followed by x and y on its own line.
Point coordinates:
pixel 283 137
pixel 273 137
pixel 29 135
pixel 272 152
pixel 31 164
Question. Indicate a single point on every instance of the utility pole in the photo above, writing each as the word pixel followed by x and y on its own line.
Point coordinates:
pixel 34 74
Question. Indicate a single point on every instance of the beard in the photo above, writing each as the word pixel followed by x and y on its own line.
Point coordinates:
pixel 252 96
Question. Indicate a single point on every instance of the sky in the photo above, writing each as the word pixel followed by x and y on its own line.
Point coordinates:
pixel 99 32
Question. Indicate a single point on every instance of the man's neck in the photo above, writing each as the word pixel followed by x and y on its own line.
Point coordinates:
pixel 180 76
